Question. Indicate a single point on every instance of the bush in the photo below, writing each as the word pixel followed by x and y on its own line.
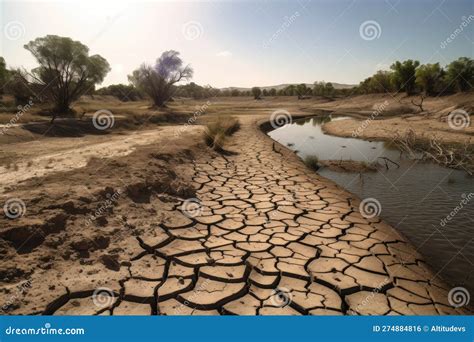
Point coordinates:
pixel 217 132
pixel 312 162
pixel 121 91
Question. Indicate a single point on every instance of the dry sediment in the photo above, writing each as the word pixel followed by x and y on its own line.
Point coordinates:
pixel 264 236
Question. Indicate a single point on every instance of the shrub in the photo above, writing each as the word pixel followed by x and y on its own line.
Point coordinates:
pixel 312 162
pixel 217 132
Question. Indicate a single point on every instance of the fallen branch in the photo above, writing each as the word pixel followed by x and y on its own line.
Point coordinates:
pixel 457 156
pixel 386 160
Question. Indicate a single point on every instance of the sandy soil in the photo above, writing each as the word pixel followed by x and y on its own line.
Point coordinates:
pixel 54 155
pixel 398 116
pixel 170 227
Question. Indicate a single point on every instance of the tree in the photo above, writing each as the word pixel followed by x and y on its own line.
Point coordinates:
pixel 66 71
pixel 256 92
pixel 19 86
pixel 265 92
pixel 272 92
pixel 329 89
pixel 121 91
pixel 404 75
pixel 318 88
pixel 3 74
pixel 461 73
pixel 302 90
pixel 430 78
pixel 158 81
pixel 290 90
pixel 381 82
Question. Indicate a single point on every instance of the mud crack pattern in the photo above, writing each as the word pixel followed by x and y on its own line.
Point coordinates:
pixel 268 226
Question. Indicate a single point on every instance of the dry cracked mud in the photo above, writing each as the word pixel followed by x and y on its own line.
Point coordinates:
pixel 263 236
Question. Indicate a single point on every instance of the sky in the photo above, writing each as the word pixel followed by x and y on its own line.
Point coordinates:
pixel 248 43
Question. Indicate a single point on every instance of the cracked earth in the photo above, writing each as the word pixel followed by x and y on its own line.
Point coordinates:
pixel 266 236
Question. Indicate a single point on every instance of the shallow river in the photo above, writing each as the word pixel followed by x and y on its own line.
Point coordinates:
pixel 415 198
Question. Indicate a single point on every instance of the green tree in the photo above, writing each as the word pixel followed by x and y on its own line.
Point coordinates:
pixel 290 90
pixel 318 88
pixel 66 71
pixel 381 82
pixel 18 86
pixel 3 74
pixel 302 90
pixel 460 73
pixel 158 81
pixel 272 92
pixel 429 77
pixel 329 89
pixel 121 91
pixel 256 92
pixel 404 75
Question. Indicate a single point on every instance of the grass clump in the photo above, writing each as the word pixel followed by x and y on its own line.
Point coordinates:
pixel 217 132
pixel 312 162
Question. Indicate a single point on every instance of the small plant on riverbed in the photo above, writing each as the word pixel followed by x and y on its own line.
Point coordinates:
pixel 216 132
pixel 312 162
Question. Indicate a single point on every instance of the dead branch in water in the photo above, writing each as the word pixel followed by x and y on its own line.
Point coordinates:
pixel 457 156
pixel 387 160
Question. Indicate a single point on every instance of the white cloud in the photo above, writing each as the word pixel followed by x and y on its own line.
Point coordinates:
pixel 224 54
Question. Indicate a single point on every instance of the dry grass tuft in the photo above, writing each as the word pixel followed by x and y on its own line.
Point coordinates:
pixel 216 132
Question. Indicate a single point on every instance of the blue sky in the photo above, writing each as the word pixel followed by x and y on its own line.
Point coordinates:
pixel 247 43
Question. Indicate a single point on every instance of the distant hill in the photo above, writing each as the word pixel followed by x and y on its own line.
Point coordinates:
pixel 281 86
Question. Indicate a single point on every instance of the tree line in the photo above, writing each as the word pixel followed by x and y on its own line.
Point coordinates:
pixel 412 78
pixel 66 71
